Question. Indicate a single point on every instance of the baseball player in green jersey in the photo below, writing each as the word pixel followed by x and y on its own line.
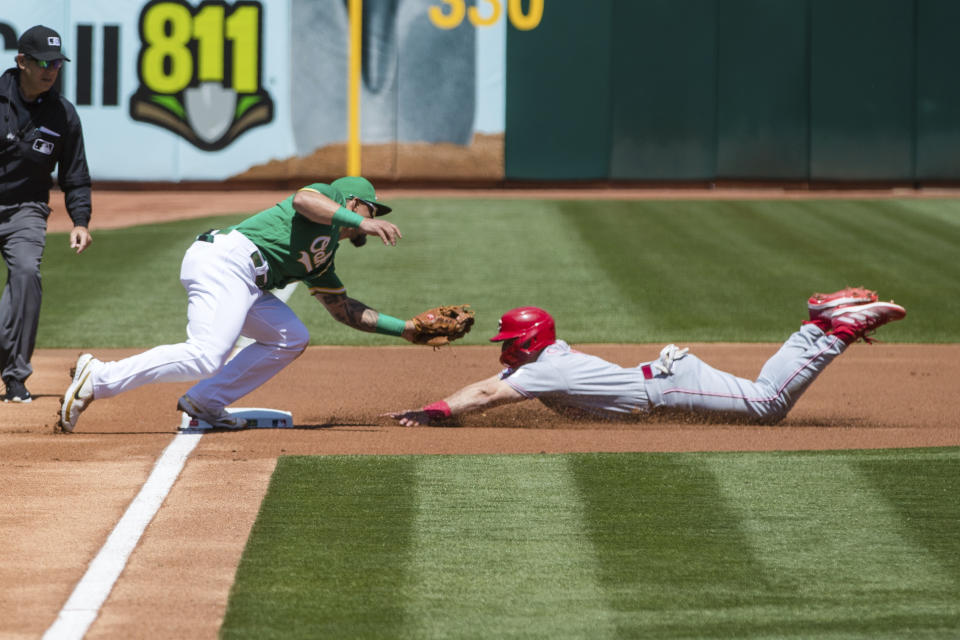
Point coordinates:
pixel 228 275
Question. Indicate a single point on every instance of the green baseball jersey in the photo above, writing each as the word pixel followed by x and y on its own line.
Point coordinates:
pixel 295 247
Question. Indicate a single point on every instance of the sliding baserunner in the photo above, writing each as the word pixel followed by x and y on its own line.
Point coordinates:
pixel 540 366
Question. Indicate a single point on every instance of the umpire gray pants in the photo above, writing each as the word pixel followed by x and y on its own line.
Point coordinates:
pixel 23 232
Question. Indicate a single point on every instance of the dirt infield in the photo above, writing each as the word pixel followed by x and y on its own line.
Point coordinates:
pixel 66 492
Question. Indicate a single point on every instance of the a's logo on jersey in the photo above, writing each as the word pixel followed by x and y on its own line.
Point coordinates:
pixel 199 70
pixel 318 253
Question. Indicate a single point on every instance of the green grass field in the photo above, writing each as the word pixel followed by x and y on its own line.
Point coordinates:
pixel 645 271
pixel 751 545
pixel 705 545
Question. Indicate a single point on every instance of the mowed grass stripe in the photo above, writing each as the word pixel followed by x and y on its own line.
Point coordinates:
pixel 719 545
pixel 327 554
pixel 504 254
pixel 673 559
pixel 672 270
pixel 834 552
pixel 750 546
pixel 766 254
pixel 923 487
pixel 500 550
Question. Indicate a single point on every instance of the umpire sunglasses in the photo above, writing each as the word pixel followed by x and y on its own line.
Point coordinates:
pixel 47 64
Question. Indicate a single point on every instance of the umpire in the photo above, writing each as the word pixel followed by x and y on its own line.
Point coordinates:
pixel 39 129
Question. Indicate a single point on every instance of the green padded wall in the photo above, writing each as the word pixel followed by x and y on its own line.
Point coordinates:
pixel 762 90
pixel 938 90
pixel 695 90
pixel 664 94
pixel 558 94
pixel 862 89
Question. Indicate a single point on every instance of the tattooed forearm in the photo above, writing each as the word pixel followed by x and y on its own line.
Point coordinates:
pixel 350 312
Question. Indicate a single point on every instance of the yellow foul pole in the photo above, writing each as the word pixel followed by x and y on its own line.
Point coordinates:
pixel 353 88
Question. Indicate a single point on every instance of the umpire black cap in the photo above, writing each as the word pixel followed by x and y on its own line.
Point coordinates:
pixel 41 43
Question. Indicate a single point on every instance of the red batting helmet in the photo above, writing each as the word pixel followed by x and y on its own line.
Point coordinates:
pixel 527 330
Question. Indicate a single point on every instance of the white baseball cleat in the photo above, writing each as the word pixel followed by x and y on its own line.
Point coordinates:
pixel 217 419
pixel 79 394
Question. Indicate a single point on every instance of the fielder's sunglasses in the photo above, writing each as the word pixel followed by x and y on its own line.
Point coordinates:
pixel 47 64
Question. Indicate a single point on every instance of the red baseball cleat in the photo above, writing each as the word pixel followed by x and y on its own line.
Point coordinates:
pixel 858 321
pixel 821 303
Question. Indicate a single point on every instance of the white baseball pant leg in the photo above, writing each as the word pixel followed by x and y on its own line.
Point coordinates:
pixel 220 281
pixel 696 386
pixel 279 338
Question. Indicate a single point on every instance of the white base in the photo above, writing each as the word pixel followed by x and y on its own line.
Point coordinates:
pixel 256 419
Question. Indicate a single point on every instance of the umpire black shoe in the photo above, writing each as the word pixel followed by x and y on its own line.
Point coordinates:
pixel 16 391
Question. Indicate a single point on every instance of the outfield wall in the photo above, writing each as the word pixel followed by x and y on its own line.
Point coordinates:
pixel 493 91
pixel 704 90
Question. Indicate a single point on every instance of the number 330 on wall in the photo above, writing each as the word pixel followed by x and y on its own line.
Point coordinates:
pixel 452 18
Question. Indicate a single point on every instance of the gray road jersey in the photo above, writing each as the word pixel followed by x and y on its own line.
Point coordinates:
pixel 564 378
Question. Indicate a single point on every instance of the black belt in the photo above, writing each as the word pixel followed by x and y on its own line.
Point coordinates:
pixel 256 257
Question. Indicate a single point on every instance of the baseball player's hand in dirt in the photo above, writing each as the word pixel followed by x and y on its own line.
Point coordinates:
pixel 485 393
pixel 410 418
pixel 80 239
pixel 387 231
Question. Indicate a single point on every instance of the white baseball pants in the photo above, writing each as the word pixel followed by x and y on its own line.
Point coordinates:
pixel 223 303
pixel 696 386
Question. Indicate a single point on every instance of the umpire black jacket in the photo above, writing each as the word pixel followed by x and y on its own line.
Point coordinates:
pixel 33 139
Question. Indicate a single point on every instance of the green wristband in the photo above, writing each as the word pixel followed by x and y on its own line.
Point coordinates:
pixel 389 325
pixel 343 217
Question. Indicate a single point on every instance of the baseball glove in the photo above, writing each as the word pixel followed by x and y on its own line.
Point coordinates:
pixel 441 325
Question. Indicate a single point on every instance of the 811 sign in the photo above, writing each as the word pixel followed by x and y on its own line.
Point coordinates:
pixel 199 70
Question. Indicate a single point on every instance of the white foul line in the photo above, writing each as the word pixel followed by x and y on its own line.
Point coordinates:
pixel 91 592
